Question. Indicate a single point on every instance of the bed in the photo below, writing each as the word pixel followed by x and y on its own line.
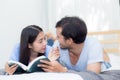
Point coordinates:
pixel 87 75
pixel 109 39
pixel 111 43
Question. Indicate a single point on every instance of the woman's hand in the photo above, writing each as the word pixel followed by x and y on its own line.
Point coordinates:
pixel 10 70
pixel 54 54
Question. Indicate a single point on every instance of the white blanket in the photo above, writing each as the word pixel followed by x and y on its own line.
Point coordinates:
pixel 42 76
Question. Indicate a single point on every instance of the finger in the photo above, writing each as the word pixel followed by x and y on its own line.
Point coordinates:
pixel 51 50
pixel 57 53
pixel 14 69
pixel 57 49
pixel 47 70
pixel 6 65
pixel 15 65
pixel 45 66
pixel 45 62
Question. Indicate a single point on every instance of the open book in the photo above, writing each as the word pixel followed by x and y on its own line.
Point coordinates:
pixel 32 67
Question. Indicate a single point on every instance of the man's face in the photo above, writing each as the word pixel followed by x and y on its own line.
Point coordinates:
pixel 62 41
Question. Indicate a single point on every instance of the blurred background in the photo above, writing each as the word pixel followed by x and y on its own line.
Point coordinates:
pixel 99 15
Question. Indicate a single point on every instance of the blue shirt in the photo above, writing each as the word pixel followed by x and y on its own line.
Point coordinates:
pixel 15 53
pixel 92 52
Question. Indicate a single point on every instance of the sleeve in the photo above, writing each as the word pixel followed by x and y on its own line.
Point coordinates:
pixel 95 52
pixel 56 44
pixel 15 53
pixel 48 48
pixel 50 42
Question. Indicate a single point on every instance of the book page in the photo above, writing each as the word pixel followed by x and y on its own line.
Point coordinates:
pixel 24 67
pixel 38 58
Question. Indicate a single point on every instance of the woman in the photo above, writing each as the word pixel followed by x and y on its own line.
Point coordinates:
pixel 32 44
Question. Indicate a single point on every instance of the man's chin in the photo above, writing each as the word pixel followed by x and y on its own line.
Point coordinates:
pixel 63 48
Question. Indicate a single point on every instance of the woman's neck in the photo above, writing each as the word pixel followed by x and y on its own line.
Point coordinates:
pixel 33 56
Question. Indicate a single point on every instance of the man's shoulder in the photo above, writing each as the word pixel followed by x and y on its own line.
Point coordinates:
pixel 91 40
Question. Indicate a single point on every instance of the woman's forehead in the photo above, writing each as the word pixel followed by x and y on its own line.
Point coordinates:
pixel 41 34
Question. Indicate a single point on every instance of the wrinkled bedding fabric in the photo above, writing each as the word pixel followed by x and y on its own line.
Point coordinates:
pixel 106 75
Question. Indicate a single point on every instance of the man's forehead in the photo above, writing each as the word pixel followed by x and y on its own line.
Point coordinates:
pixel 59 29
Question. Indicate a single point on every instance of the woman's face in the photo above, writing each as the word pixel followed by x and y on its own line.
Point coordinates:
pixel 39 45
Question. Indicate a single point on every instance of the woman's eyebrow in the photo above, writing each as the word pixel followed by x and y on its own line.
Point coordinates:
pixel 41 38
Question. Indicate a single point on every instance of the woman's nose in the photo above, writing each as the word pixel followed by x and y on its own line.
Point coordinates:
pixel 44 42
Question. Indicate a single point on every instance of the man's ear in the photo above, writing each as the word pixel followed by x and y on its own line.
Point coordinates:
pixel 29 45
pixel 70 41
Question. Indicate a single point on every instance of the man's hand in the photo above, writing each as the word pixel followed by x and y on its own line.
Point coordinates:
pixel 52 66
pixel 10 70
pixel 54 54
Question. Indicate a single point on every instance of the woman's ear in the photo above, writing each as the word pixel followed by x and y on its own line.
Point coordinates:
pixel 29 45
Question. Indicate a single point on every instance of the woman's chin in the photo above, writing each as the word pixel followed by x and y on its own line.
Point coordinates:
pixel 42 51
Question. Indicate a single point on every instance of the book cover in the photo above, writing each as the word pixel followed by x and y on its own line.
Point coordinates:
pixel 32 67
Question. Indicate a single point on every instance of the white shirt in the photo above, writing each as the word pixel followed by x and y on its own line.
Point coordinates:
pixel 92 52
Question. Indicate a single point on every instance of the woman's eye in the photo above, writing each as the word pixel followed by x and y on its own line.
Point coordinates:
pixel 45 38
pixel 40 41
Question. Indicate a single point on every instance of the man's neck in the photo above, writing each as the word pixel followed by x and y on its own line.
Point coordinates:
pixel 75 52
pixel 76 49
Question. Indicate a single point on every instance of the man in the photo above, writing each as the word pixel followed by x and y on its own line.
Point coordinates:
pixel 77 52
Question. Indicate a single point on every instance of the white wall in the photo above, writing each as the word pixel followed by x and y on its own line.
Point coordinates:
pixel 98 14
pixel 16 14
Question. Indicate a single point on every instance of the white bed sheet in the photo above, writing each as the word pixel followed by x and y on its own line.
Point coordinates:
pixel 42 76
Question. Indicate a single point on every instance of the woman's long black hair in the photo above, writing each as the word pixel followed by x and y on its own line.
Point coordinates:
pixel 28 36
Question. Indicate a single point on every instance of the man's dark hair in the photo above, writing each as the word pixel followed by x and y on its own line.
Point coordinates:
pixel 73 27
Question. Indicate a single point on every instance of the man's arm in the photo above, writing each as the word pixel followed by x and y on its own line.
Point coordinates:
pixel 55 66
pixel 94 67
